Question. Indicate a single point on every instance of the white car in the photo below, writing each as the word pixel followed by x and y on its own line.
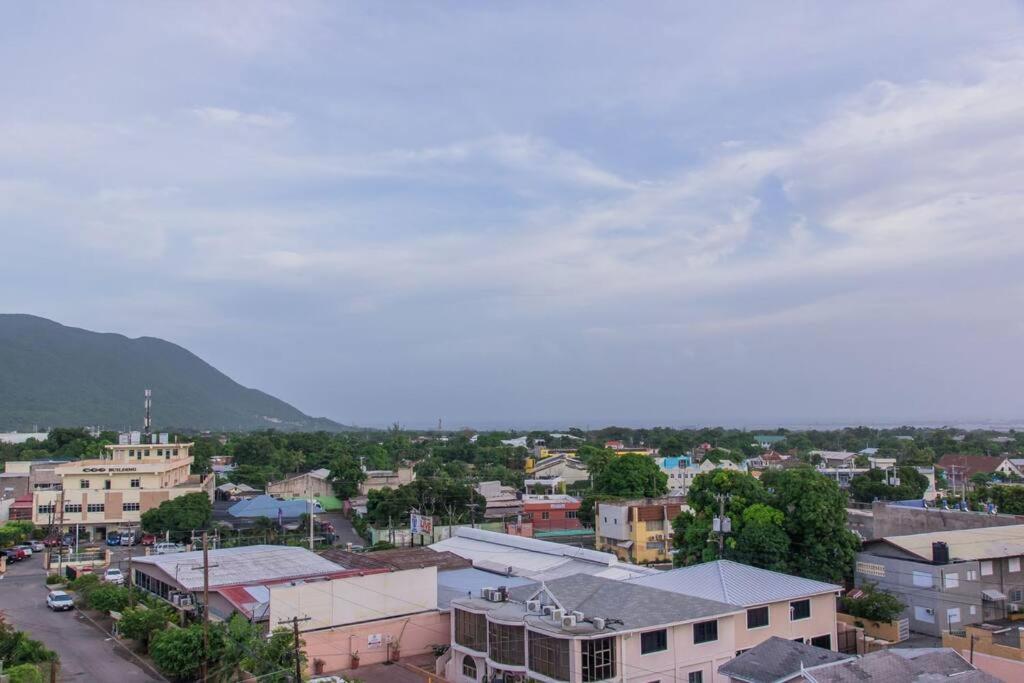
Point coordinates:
pixel 113 575
pixel 59 601
pixel 38 546
pixel 26 547
pixel 167 548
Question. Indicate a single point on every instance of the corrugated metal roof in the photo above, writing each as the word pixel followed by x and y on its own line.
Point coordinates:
pixel 735 583
pixel 968 544
pixel 252 564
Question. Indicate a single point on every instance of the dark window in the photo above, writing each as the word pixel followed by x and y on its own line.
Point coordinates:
pixel 471 630
pixel 72 507
pixel 129 507
pixel 47 509
pixel 757 617
pixel 106 484
pixel 695 677
pixel 83 483
pixel 598 659
pixel 705 632
pixel 545 515
pixel 505 644
pixel 800 609
pixel 570 514
pixel 549 656
pixel 468 667
pixel 95 507
pixel 824 641
pixel 653 641
pixel 135 483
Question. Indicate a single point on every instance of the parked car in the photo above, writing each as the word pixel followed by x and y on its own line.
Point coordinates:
pixel 38 546
pixel 113 575
pixel 113 538
pixel 52 542
pixel 59 601
pixel 26 548
pixel 148 539
pixel 12 555
pixel 167 548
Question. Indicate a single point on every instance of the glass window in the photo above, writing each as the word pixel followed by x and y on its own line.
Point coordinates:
pixel 545 515
pixel 135 483
pixel 757 617
pixel 72 507
pixel 129 507
pixel 83 483
pixel 653 641
pixel 1013 564
pixel 549 656
pixel 95 507
pixel 598 659
pixel 505 644
pixel 570 514
pixel 705 632
pixel 824 641
pixel 471 630
pixel 695 677
pixel 800 609
pixel 47 509
pixel 951 580
pixel 468 667
pixel 986 568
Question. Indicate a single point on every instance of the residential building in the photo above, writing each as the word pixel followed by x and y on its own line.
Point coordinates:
pixel 502 501
pixel 313 483
pixel 239 578
pixel 569 469
pixel 273 508
pixel 386 479
pixel 582 628
pixel 532 558
pixel 835 458
pixel 554 512
pixel 775 604
pixel 637 531
pixel 102 494
pixel 959 468
pixel 898 518
pixel 994 646
pixel 780 661
pixel 229 491
pixel 948 579
pixel 22 477
pixel 680 472
pixel 622 449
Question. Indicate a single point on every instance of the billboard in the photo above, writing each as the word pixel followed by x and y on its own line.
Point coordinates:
pixel 421 524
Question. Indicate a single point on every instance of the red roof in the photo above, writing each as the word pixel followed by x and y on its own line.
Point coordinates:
pixel 22 502
pixel 969 465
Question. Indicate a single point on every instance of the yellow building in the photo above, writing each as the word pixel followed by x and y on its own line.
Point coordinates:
pixel 103 494
pixel 638 531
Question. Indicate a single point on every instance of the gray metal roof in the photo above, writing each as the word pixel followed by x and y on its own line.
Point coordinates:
pixel 777 659
pixel 923 665
pixel 735 584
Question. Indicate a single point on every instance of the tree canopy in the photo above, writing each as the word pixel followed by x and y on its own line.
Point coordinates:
pixel 873 485
pixel 631 475
pixel 179 516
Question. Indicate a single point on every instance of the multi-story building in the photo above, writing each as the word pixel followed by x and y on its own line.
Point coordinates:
pixel 948 579
pixel 637 531
pixel 552 512
pixel 313 483
pixel 102 494
pixel 585 628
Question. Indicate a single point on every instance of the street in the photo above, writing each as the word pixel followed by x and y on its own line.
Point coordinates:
pixel 86 653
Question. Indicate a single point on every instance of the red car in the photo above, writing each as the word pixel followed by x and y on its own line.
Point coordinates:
pixel 148 539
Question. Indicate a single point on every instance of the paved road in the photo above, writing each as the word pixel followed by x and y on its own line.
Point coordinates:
pixel 86 653
pixel 343 529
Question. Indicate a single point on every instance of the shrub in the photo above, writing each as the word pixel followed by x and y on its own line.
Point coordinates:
pixel 51 579
pixel 178 652
pixel 874 605
pixel 85 584
pixel 140 624
pixel 24 673
pixel 107 598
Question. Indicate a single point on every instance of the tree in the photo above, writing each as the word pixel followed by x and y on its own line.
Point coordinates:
pixel 179 515
pixel 17 648
pixel 178 652
pixel 347 475
pixel 763 541
pixel 140 624
pixel 596 459
pixel 874 484
pixel 632 475
pixel 108 598
pixel 874 605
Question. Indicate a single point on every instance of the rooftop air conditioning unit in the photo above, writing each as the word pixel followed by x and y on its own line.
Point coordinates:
pixel 598 623
pixel 578 615
pixel 485 593
pixel 569 621
pixel 558 614
pixel 548 610
pixel 533 606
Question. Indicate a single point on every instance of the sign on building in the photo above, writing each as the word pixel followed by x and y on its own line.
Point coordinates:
pixel 421 524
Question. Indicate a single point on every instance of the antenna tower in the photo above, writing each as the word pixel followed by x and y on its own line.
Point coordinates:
pixel 148 425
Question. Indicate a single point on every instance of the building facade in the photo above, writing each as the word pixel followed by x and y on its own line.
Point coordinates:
pixel 555 512
pixel 637 531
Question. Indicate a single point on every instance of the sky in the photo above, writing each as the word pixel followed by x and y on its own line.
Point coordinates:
pixel 533 213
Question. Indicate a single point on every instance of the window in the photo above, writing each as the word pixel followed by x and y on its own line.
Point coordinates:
pixel 175 452
pixel 653 641
pixel 505 644
pixel 545 515
pixel 695 677
pixel 705 632
pixel 570 514
pixel 598 659
pixel 953 615
pixel 800 609
pixel 1013 564
pixel 655 545
pixel 950 580
pixel 986 568
pixel 468 667
pixel 106 484
pixel 135 483
pixel 83 483
pixel 974 610
pixel 824 642
pixel 972 574
pixel 922 579
pixel 129 507
pixel 1016 595
pixel 471 630
pixel 131 452
pixel 72 507
pixel 549 656
pixel 47 509
pixel 95 507
pixel 757 617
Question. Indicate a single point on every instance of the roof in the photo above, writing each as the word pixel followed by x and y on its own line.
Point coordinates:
pixel 268 506
pixel 533 558
pixel 252 601
pixel 466 582
pixel 235 487
pixel 396 559
pixel 967 544
pixel 768 438
pixel 969 465
pixel 920 665
pixel 777 659
pixel 734 583
pixel 252 564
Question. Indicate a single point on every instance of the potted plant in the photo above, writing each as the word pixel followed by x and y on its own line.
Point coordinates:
pixel 318 666
pixel 355 660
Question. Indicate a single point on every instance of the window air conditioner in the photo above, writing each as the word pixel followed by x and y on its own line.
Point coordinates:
pixel 558 614
pixel 533 606
pixel 569 621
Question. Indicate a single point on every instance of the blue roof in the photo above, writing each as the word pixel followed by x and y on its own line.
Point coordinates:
pixel 268 506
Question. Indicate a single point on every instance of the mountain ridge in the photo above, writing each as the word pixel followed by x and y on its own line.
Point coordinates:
pixel 56 375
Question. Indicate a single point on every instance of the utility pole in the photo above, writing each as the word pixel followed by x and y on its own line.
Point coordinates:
pixel 206 608
pixel 131 587
pixel 310 521
pixel 721 525
pixel 296 644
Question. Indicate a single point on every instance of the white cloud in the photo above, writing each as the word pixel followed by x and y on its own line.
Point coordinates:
pixel 222 117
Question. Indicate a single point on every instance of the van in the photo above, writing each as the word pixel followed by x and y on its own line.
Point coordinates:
pixel 168 548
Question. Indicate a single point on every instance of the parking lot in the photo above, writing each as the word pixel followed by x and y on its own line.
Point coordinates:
pixel 86 652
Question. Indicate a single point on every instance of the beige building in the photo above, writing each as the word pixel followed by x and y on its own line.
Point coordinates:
pixel 386 479
pixel 106 493
pixel 313 483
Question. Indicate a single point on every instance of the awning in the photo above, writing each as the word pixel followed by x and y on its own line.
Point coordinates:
pixel 992 594
pixel 625 544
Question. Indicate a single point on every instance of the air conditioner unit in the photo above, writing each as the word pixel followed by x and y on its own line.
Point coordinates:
pixel 533 606
pixel 1014 606
pixel 598 623
pixel 558 614
pixel 929 611
pixel 578 615
pixel 548 610
pixel 569 621
pixel 485 593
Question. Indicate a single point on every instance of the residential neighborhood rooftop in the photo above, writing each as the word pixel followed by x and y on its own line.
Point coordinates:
pixel 966 544
pixel 776 660
pixel 900 665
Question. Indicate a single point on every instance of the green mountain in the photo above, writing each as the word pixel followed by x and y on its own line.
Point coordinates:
pixel 52 375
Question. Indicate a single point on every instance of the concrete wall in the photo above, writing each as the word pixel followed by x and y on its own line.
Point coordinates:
pixel 821 622
pixel 355 598
pixel 680 659
pixel 300 486
pixel 893 520
pixel 412 635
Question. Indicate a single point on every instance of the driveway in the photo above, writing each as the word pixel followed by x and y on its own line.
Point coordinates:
pixel 343 529
pixel 86 652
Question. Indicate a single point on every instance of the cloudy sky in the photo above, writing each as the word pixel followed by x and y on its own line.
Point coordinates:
pixel 533 213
